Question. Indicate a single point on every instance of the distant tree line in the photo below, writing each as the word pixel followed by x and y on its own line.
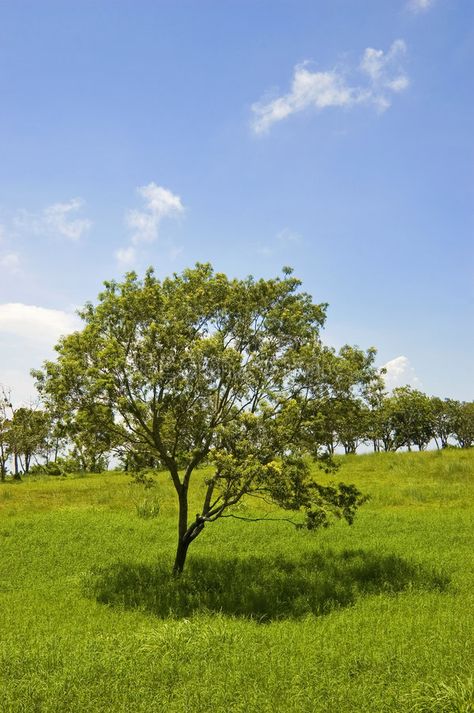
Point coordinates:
pixel 349 408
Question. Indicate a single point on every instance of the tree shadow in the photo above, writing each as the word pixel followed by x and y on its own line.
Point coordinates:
pixel 260 588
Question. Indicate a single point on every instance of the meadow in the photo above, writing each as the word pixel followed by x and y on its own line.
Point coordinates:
pixel 373 618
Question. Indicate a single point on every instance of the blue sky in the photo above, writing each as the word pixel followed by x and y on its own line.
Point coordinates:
pixel 334 136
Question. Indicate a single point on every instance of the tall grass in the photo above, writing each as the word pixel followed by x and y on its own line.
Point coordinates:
pixel 376 617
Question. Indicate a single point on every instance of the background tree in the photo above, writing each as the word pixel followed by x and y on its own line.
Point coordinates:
pixel 443 419
pixel 463 424
pixel 375 398
pixel 91 433
pixel 411 418
pixel 200 368
pixel 340 388
pixel 27 435
pixel 5 405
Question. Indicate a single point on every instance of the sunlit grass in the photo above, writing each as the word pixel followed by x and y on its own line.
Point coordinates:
pixel 374 617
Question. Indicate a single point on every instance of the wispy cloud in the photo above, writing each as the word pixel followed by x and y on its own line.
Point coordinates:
pixel 385 72
pixel 160 203
pixel 58 221
pixel 320 90
pixel 417 6
pixel 145 224
pixel 400 372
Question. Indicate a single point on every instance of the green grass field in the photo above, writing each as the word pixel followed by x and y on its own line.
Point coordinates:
pixel 369 618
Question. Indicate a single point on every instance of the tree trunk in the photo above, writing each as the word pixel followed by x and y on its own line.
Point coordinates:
pixel 180 559
pixel 16 475
pixel 183 541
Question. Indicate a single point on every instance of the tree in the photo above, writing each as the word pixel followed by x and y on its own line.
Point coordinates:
pixel 199 368
pixel 463 424
pixel 376 398
pixel 5 404
pixel 444 414
pixel 27 435
pixel 340 387
pixel 411 418
pixel 91 433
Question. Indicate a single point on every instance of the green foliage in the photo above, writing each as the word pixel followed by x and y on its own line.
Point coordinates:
pixel 463 424
pixel 340 387
pixel 27 434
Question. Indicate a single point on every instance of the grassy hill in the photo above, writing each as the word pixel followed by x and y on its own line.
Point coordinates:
pixel 374 617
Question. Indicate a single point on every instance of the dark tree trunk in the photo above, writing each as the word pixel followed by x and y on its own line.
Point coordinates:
pixel 183 540
pixel 16 475
pixel 180 559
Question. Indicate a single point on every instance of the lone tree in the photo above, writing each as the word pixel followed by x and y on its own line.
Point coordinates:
pixel 199 368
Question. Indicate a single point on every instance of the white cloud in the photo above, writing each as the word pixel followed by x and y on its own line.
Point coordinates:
pixel 10 262
pixel 160 203
pixel 126 256
pixel 28 334
pixel 419 5
pixel 400 373
pixel 385 72
pixel 317 89
pixel 57 220
pixel 35 323
pixel 321 90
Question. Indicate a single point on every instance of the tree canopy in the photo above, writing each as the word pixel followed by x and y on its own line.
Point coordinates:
pixel 199 368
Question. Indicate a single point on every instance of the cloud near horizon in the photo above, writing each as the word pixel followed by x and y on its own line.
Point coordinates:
pixel 383 73
pixel 400 373
pixel 28 334
pixel 35 323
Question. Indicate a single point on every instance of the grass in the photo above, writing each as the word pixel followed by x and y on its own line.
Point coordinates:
pixel 372 618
